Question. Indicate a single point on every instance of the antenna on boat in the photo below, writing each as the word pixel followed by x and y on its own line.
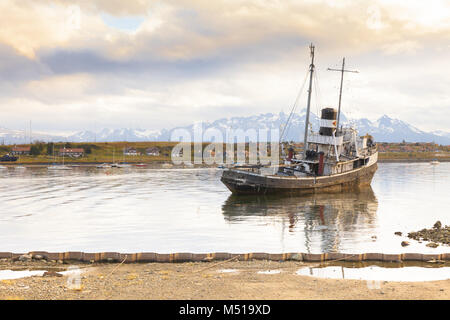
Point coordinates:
pixel 311 70
pixel 340 90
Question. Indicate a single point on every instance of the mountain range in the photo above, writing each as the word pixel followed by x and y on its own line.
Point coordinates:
pixel 385 129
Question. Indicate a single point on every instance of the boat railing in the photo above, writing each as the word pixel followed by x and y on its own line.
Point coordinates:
pixel 293 169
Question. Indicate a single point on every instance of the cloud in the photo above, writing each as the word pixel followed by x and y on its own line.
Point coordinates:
pixel 16 67
pixel 405 47
pixel 201 60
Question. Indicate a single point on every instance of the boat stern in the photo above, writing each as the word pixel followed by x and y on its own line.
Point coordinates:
pixel 242 181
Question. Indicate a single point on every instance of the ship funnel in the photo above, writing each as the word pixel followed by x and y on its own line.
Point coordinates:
pixel 328 122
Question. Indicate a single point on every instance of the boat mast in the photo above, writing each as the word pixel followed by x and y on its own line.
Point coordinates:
pixel 311 70
pixel 340 89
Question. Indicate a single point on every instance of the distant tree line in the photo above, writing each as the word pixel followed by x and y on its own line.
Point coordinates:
pixel 38 147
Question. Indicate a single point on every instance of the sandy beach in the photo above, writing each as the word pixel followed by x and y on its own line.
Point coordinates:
pixel 201 280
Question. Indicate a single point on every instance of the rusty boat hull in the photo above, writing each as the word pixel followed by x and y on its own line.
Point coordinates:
pixel 240 181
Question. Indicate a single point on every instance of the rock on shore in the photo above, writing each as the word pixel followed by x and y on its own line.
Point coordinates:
pixel 437 234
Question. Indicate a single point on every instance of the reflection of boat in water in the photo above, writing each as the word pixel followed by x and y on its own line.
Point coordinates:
pixel 332 214
pixel 363 201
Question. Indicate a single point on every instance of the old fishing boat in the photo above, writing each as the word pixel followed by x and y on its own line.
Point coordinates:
pixel 333 159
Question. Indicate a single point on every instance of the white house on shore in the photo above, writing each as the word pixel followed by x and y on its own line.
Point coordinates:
pixel 131 152
pixel 153 151
pixel 71 152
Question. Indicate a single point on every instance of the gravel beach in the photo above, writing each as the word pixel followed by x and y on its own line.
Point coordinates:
pixel 201 280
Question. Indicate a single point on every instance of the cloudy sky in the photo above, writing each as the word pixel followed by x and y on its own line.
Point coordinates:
pixel 75 65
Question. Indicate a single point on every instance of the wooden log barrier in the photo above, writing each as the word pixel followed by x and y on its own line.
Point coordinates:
pixel 89 257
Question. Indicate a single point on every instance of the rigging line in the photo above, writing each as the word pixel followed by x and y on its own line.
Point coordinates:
pixel 319 92
pixel 318 97
pixel 294 107
pixel 316 100
pixel 287 125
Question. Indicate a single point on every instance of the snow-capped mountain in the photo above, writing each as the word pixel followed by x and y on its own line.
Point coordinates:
pixel 258 123
pixel 8 136
pixel 109 135
pixel 385 129
pixel 392 130
pixel 441 133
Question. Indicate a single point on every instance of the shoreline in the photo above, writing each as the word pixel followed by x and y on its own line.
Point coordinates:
pixel 160 164
pixel 203 281
pixel 181 257
pixel 148 165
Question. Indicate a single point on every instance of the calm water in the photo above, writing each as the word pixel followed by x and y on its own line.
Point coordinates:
pixel 378 273
pixel 132 210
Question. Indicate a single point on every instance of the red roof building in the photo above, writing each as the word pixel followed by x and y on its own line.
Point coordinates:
pixel 20 150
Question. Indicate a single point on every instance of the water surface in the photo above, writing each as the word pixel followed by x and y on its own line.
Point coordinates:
pixel 170 210
pixel 377 273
